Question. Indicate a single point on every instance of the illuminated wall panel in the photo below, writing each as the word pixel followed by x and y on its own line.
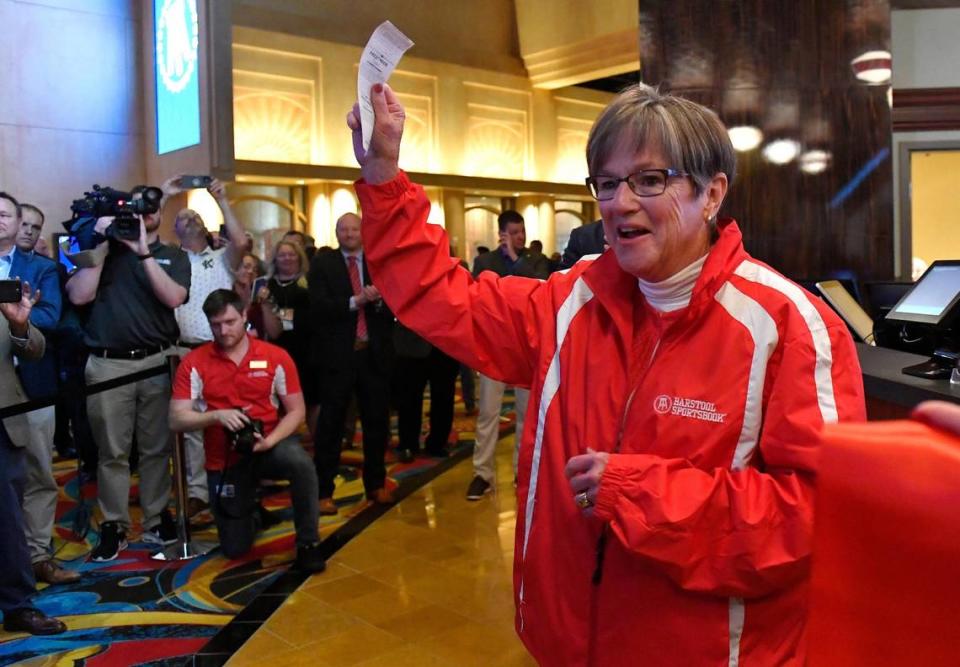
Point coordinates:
pixel 177 72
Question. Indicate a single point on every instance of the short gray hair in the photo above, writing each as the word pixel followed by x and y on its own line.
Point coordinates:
pixel 691 136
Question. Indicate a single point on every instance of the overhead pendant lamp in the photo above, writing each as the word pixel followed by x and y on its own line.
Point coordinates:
pixel 815 161
pixel 745 137
pixel 781 151
pixel 873 67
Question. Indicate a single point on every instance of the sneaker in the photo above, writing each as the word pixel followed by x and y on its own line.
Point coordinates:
pixel 309 559
pixel 163 533
pixel 112 541
pixel 479 487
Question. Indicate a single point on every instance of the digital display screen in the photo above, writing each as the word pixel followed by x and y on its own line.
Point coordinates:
pixel 176 31
pixel 933 296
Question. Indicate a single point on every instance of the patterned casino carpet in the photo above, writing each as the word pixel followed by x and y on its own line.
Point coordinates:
pixel 137 611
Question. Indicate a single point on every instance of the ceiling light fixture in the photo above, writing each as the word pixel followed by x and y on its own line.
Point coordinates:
pixel 873 67
pixel 814 161
pixel 781 151
pixel 745 137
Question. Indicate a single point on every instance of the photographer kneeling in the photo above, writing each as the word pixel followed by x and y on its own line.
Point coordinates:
pixel 231 388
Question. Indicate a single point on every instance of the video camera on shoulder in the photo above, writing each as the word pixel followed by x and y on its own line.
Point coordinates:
pixel 105 201
pixel 243 440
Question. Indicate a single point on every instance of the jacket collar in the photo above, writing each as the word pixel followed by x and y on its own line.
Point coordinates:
pixel 616 290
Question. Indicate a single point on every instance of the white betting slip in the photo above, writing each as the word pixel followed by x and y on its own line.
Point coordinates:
pixel 380 56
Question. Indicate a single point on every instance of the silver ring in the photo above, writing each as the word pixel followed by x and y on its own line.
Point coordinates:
pixel 583 502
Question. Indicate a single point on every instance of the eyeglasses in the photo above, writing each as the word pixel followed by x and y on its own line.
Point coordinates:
pixel 645 183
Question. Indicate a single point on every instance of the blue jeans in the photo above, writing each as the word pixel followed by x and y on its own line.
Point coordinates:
pixel 235 513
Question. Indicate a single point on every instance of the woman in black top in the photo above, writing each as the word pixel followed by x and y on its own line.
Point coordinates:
pixel 281 313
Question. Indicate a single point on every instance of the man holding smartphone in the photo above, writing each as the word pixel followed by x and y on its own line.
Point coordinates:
pixel 210 269
pixel 39 379
pixel 17 338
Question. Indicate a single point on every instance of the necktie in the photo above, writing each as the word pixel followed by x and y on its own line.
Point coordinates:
pixel 354 272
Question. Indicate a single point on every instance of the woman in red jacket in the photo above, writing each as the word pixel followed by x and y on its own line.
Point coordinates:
pixel 667 464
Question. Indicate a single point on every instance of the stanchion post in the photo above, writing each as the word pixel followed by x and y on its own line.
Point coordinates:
pixel 185 548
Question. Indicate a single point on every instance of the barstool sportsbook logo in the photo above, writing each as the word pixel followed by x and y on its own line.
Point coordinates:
pixel 691 408
pixel 178 38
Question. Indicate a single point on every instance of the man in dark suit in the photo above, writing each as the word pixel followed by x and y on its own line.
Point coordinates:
pixel 353 351
pixel 584 240
pixel 17 337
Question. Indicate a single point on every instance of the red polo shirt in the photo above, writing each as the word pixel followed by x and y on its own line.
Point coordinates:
pixel 214 382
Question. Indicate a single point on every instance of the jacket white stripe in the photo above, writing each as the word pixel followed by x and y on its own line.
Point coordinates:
pixel 578 297
pixel 818 331
pixel 763 331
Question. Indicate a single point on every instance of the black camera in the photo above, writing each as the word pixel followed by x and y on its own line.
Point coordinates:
pixel 243 440
pixel 104 201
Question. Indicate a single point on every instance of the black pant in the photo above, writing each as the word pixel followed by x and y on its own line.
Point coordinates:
pixel 16 575
pixel 412 376
pixel 234 501
pixel 371 383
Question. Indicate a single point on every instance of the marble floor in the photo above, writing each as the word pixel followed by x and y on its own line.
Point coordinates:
pixel 427 584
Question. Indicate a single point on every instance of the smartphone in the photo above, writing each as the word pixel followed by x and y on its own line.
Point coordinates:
pixel 10 291
pixel 195 182
pixel 257 284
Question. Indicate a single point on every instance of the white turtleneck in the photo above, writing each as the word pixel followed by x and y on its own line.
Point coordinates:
pixel 674 292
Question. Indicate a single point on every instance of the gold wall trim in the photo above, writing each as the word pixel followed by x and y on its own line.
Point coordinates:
pixel 594 58
pixel 249 171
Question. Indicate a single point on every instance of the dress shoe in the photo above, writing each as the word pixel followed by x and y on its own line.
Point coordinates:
pixel 382 497
pixel 405 455
pixel 327 506
pixel 49 572
pixel 32 621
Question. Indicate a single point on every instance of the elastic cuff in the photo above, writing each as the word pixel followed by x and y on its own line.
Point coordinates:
pixel 614 476
pixel 397 186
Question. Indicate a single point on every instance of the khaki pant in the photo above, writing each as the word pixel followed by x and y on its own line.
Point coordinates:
pixel 488 425
pixel 196 457
pixel 115 415
pixel 40 487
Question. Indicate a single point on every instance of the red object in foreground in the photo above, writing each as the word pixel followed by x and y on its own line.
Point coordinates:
pixel 886 557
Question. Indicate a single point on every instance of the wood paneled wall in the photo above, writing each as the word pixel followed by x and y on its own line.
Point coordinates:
pixel 785 66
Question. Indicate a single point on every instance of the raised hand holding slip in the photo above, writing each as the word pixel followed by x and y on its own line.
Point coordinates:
pixel 378 163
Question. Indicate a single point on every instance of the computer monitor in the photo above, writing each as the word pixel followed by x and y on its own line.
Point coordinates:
pixel 933 306
pixel 934 299
pixel 846 306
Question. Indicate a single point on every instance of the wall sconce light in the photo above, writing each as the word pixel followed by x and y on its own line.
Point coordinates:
pixel 815 161
pixel 781 151
pixel 873 67
pixel 745 137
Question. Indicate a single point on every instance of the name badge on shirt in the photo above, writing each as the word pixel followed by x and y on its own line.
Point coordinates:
pixel 258 363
